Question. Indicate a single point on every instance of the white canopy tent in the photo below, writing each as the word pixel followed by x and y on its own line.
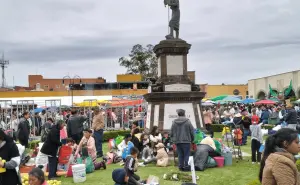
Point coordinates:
pixel 65 100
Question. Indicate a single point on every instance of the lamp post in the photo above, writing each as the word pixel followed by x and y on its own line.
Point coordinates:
pixel 71 84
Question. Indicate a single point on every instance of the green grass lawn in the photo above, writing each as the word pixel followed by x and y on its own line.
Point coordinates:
pixel 240 173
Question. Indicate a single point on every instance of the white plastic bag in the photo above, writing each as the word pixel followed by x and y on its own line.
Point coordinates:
pixel 152 180
pixel 278 127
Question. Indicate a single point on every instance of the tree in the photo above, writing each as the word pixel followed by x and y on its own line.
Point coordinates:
pixel 141 60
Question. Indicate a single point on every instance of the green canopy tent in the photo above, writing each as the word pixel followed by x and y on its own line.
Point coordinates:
pixel 218 98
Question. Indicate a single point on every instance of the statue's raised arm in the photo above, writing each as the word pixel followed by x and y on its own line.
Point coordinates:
pixel 175 20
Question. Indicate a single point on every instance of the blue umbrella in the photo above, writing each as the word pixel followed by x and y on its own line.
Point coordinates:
pixel 38 110
pixel 248 101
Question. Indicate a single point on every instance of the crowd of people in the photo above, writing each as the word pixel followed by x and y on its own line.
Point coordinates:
pixel 242 115
pixel 153 146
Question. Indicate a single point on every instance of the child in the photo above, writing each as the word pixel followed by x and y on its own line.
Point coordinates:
pixel 124 144
pixel 256 141
pixel 166 140
pixel 130 168
pixel 161 159
pixel 63 135
pixel 238 135
pixel 146 151
pixel 255 119
pixel 226 134
pixel 71 143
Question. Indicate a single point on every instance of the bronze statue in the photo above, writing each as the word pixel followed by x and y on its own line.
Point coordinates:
pixel 175 20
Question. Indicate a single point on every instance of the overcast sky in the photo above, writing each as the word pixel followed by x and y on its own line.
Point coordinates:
pixel 232 40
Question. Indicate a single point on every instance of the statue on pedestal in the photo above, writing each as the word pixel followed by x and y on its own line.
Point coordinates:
pixel 175 20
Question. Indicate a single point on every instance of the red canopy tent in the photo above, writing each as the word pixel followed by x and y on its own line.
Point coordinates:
pixel 126 103
pixel 265 102
pixel 117 102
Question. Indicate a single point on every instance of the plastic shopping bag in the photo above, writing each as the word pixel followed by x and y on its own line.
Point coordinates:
pixel 118 140
pixel 153 180
pixel 199 135
pixel 89 165
pixel 262 148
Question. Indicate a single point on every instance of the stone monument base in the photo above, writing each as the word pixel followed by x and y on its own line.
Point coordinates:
pixel 162 108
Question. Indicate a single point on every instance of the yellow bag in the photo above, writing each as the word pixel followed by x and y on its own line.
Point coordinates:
pixel 2 170
pixel 226 130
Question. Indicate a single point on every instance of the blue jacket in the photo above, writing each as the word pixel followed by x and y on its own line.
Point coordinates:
pixel 265 115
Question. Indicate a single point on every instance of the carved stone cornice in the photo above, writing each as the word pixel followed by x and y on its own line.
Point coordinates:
pixel 172 47
pixel 174 96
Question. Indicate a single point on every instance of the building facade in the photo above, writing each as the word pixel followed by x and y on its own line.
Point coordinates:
pixel 287 84
pixel 38 82
pixel 225 89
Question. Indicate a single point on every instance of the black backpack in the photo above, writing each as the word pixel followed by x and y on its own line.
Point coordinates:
pixel 44 134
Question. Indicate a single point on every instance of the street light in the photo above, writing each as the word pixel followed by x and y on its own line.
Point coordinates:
pixel 71 84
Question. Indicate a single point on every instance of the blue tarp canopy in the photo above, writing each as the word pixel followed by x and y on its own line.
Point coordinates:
pixel 248 101
pixel 38 110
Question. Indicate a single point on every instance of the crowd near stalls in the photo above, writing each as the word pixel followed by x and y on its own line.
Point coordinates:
pixel 71 139
pixel 74 133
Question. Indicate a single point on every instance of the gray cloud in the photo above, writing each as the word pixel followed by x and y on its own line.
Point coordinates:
pixel 232 41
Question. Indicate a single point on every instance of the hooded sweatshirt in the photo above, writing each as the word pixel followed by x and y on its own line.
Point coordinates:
pixel 182 131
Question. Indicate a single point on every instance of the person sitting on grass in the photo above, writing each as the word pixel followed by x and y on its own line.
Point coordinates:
pixel 146 147
pixel 37 177
pixel 87 142
pixel 124 144
pixel 130 168
pixel 161 159
pixel 136 139
pixel 166 140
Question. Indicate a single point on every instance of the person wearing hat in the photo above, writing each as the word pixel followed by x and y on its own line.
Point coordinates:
pixel 88 142
pixel 161 159
pixel 51 146
pixel 246 122
pixel 182 134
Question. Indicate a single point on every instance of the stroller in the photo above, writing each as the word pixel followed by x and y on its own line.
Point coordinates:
pixel 233 142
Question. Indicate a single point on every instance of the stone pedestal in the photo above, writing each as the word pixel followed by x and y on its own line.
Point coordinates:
pixel 173 89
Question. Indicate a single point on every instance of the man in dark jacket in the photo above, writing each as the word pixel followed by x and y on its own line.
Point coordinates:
pixel 265 115
pixel 291 117
pixel 182 134
pixel 24 130
pixel 75 126
pixel 51 146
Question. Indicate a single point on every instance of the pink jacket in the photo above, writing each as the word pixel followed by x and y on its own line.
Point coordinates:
pixel 63 133
pixel 90 143
pixel 207 116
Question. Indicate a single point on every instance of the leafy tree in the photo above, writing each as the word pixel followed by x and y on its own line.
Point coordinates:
pixel 141 60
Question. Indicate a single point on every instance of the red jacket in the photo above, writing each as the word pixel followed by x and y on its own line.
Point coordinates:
pixel 255 119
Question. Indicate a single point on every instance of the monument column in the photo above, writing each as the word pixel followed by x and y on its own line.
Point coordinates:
pixel 173 89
